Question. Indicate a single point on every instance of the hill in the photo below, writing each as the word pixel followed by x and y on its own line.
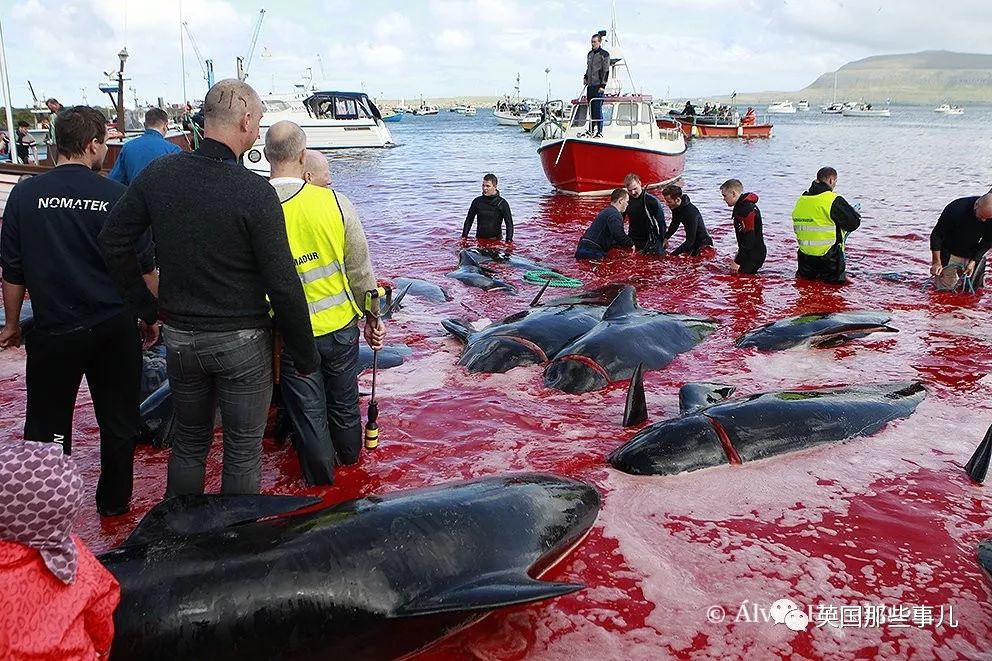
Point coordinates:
pixel 924 77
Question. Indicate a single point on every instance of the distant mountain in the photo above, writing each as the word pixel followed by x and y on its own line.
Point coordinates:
pixel 925 77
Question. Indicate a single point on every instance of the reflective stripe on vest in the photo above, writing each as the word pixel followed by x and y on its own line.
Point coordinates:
pixel 315 229
pixel 815 231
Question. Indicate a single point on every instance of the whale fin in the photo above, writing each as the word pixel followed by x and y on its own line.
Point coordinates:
pixel 625 303
pixel 458 328
pixel 190 515
pixel 636 409
pixel 978 465
pixel 491 591
pixel 693 396
pixel 395 304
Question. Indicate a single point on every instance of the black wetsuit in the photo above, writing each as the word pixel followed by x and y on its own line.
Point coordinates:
pixel 605 232
pixel 492 212
pixel 751 251
pixel 696 236
pixel 831 266
pixel 639 212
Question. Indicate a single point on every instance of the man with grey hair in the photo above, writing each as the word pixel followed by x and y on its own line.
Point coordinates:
pixel 959 241
pixel 332 258
pixel 139 152
pixel 224 256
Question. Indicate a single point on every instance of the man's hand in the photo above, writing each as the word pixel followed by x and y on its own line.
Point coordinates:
pixel 969 270
pixel 734 267
pixel 149 334
pixel 10 336
pixel 375 333
pixel 936 269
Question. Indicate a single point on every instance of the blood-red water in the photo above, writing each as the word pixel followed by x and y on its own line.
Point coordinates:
pixel 890 520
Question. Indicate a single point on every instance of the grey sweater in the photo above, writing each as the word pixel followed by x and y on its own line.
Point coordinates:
pixel 221 246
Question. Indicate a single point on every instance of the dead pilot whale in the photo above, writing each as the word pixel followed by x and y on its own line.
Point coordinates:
pixel 372 578
pixel 818 329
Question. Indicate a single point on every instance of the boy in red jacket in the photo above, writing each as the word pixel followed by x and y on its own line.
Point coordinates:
pixel 751 251
pixel 57 599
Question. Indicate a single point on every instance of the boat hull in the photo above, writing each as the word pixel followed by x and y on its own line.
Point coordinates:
pixel 694 130
pixel 865 113
pixel 582 166
pixel 507 118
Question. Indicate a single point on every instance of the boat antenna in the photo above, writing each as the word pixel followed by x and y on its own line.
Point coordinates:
pixel 615 40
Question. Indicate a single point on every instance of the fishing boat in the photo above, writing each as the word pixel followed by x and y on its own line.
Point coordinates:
pixel 578 163
pixel 781 108
pixel 865 110
pixel 530 120
pixel 802 106
pixel 392 116
pixel 425 109
pixel 712 126
pixel 947 109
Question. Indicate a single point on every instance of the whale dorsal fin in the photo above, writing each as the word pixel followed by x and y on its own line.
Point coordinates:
pixel 189 515
pixel 625 303
pixel 495 590
pixel 636 410
pixel 693 396
pixel 978 465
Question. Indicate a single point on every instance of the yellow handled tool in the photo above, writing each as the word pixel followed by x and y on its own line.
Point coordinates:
pixel 373 309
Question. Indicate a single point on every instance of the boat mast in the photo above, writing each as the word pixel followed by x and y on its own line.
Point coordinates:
pixel 835 88
pixel 5 82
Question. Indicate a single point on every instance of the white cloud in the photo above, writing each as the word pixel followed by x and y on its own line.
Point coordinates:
pixel 452 40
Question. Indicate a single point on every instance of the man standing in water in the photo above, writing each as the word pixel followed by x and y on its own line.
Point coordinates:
pixel 959 241
pixel 822 219
pixel 492 211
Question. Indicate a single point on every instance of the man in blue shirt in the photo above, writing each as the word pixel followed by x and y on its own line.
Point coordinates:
pixel 140 151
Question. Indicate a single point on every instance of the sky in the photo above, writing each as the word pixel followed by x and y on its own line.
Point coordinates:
pixel 450 48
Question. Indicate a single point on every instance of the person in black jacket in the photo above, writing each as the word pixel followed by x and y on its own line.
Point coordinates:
pixel 686 214
pixel 606 230
pixel 221 244
pixel 959 241
pixel 596 75
pixel 645 215
pixel 491 210
pixel 751 251
pixel 82 327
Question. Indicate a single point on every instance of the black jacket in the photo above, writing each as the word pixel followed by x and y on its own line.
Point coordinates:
pixel 597 68
pixel 638 210
pixel 220 238
pixel 491 212
pixel 959 232
pixel 696 236
pixel 606 231
pixel 843 214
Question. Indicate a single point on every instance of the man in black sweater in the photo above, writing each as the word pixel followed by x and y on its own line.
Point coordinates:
pixel 645 215
pixel 222 249
pixel 492 211
pixel 685 213
pixel 81 325
pixel 959 241
pixel 606 230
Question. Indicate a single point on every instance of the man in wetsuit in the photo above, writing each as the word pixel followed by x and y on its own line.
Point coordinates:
pixel 606 230
pixel 686 214
pixel 959 241
pixel 645 215
pixel 751 251
pixel 492 211
pixel 822 219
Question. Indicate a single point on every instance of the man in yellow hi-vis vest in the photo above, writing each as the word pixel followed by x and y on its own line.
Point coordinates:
pixel 822 220
pixel 329 247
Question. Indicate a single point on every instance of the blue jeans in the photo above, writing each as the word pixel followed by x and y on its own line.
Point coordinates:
pixel 323 407
pixel 595 109
pixel 229 368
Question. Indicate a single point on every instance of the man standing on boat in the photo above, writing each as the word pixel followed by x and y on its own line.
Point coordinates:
pixel 492 211
pixel 56 107
pixel 331 255
pixel 597 73
pixel 139 152
pixel 959 241
pixel 220 240
pixel 822 219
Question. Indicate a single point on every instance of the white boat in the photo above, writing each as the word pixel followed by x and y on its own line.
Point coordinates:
pixel 947 109
pixel 833 109
pixel 781 108
pixel 508 117
pixel 425 109
pixel 865 110
pixel 530 120
pixel 802 106
pixel 470 111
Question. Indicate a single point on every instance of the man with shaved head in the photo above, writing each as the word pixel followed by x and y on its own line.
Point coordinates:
pixel 959 241
pixel 224 256
pixel 331 255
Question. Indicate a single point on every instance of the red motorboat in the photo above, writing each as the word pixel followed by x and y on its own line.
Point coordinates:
pixel 708 126
pixel 631 141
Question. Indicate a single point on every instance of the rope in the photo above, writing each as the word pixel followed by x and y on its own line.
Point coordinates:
pixel 553 279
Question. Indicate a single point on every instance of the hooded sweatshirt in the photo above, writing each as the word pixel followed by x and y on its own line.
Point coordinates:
pixel 747 227
pixel 491 212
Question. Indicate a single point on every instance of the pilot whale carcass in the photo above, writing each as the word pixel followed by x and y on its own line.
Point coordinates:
pixel 374 578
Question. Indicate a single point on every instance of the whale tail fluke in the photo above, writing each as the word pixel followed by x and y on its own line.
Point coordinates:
pixel 978 465
pixel 636 410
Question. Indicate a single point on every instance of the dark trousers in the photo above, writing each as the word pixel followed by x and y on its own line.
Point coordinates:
pixel 323 406
pixel 830 267
pixel 588 250
pixel 751 260
pixel 109 356
pixel 595 109
pixel 232 369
